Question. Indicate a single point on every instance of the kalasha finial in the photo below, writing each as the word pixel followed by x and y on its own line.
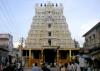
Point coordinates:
pixel 49 0
pixel 41 4
pixel 56 4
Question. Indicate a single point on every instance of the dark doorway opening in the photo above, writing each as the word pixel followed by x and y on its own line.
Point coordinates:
pixel 49 55
pixel 36 54
pixel 63 54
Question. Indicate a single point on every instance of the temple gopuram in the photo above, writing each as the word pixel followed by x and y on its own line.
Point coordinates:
pixel 49 39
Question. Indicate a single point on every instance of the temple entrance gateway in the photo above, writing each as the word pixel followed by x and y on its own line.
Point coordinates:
pixel 49 55
pixel 49 39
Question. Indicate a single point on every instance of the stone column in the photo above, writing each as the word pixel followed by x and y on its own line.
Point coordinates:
pixel 29 57
pixel 70 53
pixel 57 56
pixel 42 56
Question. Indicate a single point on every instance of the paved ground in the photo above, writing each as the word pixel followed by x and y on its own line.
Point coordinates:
pixel 27 69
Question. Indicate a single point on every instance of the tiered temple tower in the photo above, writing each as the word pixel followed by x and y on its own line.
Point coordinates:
pixel 49 28
pixel 49 35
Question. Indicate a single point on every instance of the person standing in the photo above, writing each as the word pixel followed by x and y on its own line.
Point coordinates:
pixel 36 68
pixel 77 67
pixel 82 63
pixel 63 68
pixel 53 67
pixel 1 67
pixel 70 67
pixel 45 67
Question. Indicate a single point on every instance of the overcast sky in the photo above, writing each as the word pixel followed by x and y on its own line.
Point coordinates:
pixel 16 16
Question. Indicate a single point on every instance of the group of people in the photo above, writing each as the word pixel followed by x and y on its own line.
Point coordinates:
pixel 71 66
pixel 12 67
pixel 53 67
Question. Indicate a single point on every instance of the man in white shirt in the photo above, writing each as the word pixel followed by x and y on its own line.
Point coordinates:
pixel 81 63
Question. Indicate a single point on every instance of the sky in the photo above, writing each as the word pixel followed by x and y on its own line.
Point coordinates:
pixel 16 16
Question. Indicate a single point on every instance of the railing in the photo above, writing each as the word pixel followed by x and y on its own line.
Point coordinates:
pixel 4 47
pixel 93 47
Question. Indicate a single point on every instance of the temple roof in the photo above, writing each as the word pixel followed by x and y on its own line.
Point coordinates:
pixel 96 26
